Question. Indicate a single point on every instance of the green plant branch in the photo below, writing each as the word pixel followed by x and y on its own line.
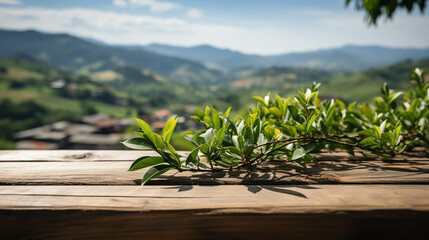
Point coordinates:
pixel 260 135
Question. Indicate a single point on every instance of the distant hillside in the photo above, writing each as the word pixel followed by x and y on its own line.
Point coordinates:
pixel 351 58
pixel 363 86
pixel 284 81
pixel 210 56
pixel 71 53
pixel 360 86
pixel 343 59
pixel 280 78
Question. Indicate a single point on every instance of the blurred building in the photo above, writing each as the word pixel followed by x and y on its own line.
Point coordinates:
pixel 97 131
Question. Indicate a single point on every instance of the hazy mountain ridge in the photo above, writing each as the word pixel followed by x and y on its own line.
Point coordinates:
pixel 343 59
pixel 204 64
pixel 74 54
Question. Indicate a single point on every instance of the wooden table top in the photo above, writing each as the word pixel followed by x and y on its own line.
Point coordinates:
pixel 44 186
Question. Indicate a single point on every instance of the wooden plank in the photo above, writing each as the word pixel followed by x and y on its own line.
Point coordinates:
pixel 115 173
pixel 214 212
pixel 174 211
pixel 188 225
pixel 124 155
pixel 218 199
pixel 72 155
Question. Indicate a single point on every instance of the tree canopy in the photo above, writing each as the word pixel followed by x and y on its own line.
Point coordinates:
pixel 377 8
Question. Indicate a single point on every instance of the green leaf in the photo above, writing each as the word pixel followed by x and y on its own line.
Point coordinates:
pixel 398 130
pixel 170 148
pixel 144 162
pixel 207 111
pixel 138 143
pixel 199 113
pixel 205 149
pixel 147 130
pixel 311 120
pixel 158 142
pixel 234 150
pixel 289 130
pixel 279 102
pixel 300 128
pixel 216 119
pixel 199 120
pixel 388 137
pixel 202 165
pixel 294 111
pixel 220 134
pixel 310 147
pixel 155 171
pixel 267 99
pixel 172 158
pixel 378 131
pixel 369 142
pixel 168 129
pixel 192 157
pixel 394 96
pixel 208 120
pixel 261 100
pixel 232 125
pixel 269 132
pixel 301 100
pixel 298 153
pixel 310 97
pixel 227 112
pixel 275 111
pixel 370 132
pixel 340 104
pixel 208 135
pixel 367 112
pixel 383 126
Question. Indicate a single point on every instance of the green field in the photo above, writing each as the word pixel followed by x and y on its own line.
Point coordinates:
pixel 139 91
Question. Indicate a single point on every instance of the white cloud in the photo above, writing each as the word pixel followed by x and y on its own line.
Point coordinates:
pixel 10 2
pixel 116 28
pixel 194 13
pixel 120 3
pixel 262 38
pixel 155 6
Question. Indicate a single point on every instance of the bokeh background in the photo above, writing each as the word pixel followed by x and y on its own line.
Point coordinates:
pixel 73 73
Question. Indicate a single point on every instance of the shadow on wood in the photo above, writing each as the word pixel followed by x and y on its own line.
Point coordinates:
pixel 200 225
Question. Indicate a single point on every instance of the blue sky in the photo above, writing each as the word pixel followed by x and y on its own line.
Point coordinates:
pixel 250 26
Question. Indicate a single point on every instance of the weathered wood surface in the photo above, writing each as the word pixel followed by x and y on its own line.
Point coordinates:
pixel 188 225
pixel 419 154
pixel 219 198
pixel 110 168
pixel 90 195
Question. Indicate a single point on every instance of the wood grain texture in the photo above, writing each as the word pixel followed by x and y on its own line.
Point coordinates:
pixel 197 225
pixel 73 155
pixel 90 195
pixel 188 225
pixel 115 173
pixel 219 199
pixel 420 154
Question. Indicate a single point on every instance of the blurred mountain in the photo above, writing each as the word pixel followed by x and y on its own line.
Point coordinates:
pixel 361 86
pixel 204 64
pixel 343 59
pixel 211 56
pixel 351 58
pixel 70 53
pixel 364 85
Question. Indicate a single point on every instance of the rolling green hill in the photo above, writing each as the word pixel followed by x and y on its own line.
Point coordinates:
pixel 343 59
pixel 27 93
pixel 362 86
pixel 359 86
pixel 70 53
